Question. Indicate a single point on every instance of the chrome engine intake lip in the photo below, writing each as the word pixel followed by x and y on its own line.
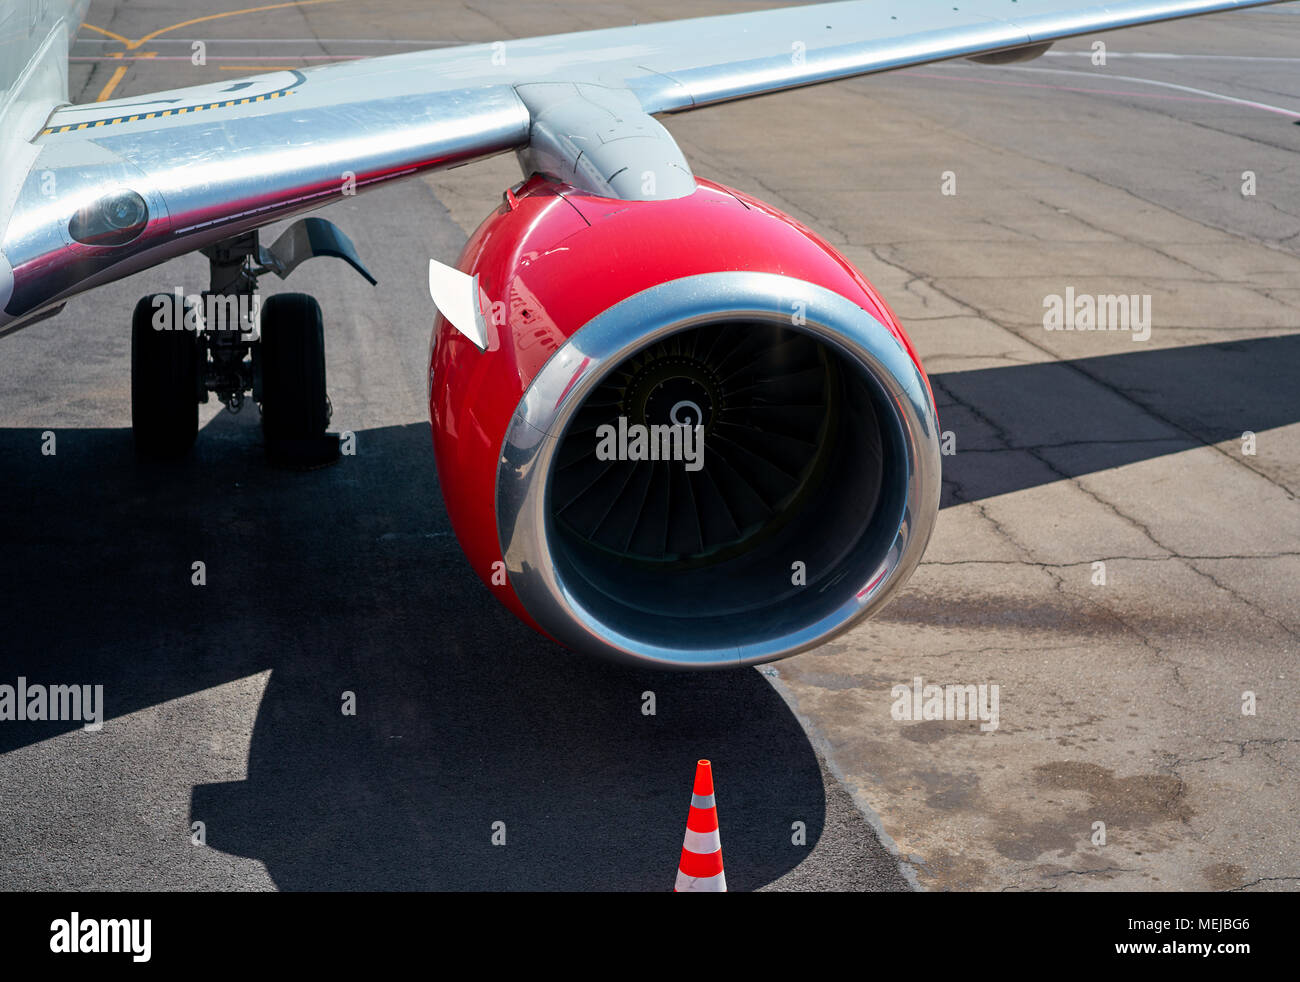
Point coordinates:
pixel 568 604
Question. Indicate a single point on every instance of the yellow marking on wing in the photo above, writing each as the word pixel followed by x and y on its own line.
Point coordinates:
pixel 158 114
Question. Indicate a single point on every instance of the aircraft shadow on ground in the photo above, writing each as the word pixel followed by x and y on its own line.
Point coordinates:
pixel 1208 393
pixel 349 579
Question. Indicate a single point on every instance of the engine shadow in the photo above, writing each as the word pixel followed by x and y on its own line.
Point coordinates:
pixel 349 580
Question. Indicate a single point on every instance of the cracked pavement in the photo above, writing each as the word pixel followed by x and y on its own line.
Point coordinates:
pixel 1120 703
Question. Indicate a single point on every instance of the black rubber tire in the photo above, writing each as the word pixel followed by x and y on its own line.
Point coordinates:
pixel 294 402
pixel 164 384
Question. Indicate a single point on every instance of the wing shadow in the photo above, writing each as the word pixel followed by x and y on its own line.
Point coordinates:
pixel 1196 395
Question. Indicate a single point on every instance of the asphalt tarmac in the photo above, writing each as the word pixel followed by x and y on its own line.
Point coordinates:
pixel 1121 702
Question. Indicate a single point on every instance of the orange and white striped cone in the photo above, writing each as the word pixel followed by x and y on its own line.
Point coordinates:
pixel 700 869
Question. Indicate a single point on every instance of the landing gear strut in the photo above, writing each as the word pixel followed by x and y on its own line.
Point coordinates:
pixel 182 350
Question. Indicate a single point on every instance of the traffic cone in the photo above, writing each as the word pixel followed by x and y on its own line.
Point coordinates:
pixel 700 869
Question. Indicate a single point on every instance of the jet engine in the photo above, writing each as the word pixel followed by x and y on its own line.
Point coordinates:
pixel 782 475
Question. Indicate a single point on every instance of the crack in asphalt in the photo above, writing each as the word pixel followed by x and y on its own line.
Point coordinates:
pixel 1263 879
pixel 1103 559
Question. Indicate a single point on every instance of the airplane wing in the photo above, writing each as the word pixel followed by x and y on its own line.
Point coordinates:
pixel 123 185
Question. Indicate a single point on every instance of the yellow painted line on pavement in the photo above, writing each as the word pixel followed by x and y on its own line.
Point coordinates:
pixel 107 90
pixel 132 45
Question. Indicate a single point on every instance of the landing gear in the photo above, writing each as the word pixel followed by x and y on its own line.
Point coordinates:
pixel 182 349
pixel 295 407
pixel 164 379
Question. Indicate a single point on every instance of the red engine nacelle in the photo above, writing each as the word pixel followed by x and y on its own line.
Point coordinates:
pixel 812 494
